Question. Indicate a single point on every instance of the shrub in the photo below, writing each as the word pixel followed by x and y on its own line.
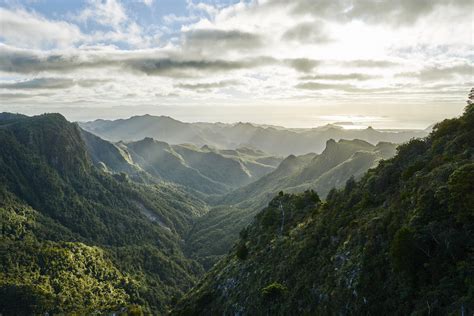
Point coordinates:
pixel 274 291
pixel 134 310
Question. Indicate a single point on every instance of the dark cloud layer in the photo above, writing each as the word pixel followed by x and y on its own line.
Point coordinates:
pixel 180 68
pixel 50 83
pixel 207 85
pixel 22 96
pixel 302 64
pixel 204 39
pixel 30 62
pixel 39 83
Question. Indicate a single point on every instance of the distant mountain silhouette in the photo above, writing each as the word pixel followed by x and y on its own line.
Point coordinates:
pixel 270 139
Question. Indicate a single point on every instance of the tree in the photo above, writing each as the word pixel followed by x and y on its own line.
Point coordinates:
pixel 350 184
pixel 274 291
pixel 404 253
pixel 470 98
pixel 461 186
pixel 242 251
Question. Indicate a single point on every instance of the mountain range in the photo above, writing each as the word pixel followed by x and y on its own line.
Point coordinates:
pixel 270 139
pixel 127 216
pixel 205 169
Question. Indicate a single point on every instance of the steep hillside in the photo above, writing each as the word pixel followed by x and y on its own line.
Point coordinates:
pixel 234 168
pixel 112 157
pixel 333 155
pixel 215 232
pixel 298 171
pixel 400 240
pixel 77 239
pixel 161 160
pixel 273 140
pixel 206 170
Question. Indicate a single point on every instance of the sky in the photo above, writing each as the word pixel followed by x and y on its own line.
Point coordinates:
pixel 299 63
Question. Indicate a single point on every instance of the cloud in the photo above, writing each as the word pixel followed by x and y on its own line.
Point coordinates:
pixel 369 63
pixel 317 86
pixel 401 12
pixel 302 64
pixel 173 18
pixel 25 29
pixel 202 7
pixel 176 67
pixel 149 62
pixel 13 60
pixel 307 33
pixel 109 13
pixel 350 76
pixel 39 83
pixel 21 96
pixel 51 84
pixel 148 2
pixel 116 25
pixel 322 86
pixel 435 73
pixel 221 39
pixel 88 83
pixel 394 12
pixel 207 85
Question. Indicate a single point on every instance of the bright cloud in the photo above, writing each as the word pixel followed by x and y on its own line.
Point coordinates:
pixel 27 29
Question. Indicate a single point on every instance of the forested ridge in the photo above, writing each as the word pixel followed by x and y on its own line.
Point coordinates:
pixel 76 239
pixel 399 241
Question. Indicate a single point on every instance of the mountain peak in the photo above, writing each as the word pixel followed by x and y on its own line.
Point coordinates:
pixel 287 162
pixel 148 140
pixel 54 138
